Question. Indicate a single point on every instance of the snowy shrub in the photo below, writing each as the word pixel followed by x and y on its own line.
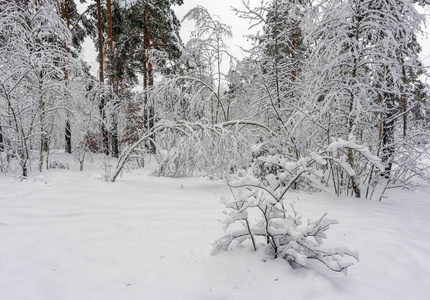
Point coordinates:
pixel 280 231
pixel 56 164
pixel 259 152
pixel 410 170
pixel 4 162
pixel 82 150
pixel 107 166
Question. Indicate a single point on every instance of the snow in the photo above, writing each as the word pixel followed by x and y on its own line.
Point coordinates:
pixel 66 234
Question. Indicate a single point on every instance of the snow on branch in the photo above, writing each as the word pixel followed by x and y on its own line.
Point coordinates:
pixel 363 150
pixel 199 140
pixel 257 216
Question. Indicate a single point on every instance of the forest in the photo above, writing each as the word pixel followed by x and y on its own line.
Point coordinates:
pixel 330 98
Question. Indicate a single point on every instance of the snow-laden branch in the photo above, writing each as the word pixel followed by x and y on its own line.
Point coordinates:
pixel 186 128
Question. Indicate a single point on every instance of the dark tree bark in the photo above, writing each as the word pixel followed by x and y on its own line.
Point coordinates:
pixel 68 137
pixel 115 146
pixel 67 132
pixel 1 140
pixel 102 104
pixel 404 98
pixel 388 127
pixel 148 78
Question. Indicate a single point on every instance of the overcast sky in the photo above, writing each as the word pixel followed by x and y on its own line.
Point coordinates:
pixel 222 9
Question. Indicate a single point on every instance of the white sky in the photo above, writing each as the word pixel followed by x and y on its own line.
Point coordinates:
pixel 219 8
pixel 222 9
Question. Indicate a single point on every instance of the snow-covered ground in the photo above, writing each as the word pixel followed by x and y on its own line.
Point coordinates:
pixel 67 234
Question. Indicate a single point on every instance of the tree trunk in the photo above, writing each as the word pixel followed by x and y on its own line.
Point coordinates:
pixel 148 79
pixel 102 103
pixel 115 148
pixel 1 140
pixel 67 133
pixel 404 97
pixel 354 183
pixel 68 136
pixel 388 127
pixel 42 120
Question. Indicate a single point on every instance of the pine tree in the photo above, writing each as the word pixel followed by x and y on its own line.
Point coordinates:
pixel 148 39
pixel 102 101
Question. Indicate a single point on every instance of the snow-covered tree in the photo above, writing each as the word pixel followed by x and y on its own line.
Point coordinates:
pixel 276 61
pixel 360 52
pixel 208 46
pixel 32 85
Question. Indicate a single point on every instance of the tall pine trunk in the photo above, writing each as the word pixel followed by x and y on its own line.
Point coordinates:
pixel 115 148
pixel 148 78
pixel 102 103
pixel 67 132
